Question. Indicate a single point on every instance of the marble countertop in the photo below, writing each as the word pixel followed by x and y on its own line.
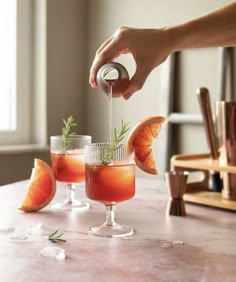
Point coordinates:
pixel 198 247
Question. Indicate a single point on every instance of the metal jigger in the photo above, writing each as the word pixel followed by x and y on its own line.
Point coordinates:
pixel 176 183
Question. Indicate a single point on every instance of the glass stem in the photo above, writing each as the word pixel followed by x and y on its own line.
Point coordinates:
pixel 110 215
pixel 70 192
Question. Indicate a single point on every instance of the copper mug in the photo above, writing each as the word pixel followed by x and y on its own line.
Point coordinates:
pixel 226 133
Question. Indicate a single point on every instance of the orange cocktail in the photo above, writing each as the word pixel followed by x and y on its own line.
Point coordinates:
pixel 110 184
pixel 109 179
pixel 69 167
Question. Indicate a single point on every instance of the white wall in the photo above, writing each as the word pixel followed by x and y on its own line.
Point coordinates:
pixel 198 67
pixel 75 29
pixel 66 63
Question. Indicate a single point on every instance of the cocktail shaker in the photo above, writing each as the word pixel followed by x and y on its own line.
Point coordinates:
pixel 113 78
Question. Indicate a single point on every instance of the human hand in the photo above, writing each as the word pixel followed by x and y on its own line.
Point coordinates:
pixel 149 48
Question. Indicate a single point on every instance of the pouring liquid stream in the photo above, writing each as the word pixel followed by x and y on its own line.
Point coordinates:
pixel 111 82
pixel 111 77
pixel 110 112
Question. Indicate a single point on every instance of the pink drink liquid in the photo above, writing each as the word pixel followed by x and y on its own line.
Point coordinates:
pixel 110 184
pixel 69 167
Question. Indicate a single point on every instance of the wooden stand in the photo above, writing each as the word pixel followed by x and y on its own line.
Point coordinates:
pixel 197 191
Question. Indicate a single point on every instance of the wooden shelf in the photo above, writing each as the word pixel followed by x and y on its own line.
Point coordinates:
pixel 201 162
pixel 197 191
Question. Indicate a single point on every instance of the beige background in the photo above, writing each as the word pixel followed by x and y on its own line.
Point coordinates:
pixel 75 29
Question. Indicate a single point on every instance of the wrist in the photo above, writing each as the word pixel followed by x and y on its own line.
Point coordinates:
pixel 176 38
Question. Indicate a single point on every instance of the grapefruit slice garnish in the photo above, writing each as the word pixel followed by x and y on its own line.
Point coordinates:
pixel 41 187
pixel 141 138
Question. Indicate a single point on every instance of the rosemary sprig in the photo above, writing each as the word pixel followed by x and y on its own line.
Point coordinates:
pixel 55 237
pixel 66 131
pixel 118 136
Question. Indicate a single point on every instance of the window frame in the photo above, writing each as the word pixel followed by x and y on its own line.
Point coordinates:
pixel 30 77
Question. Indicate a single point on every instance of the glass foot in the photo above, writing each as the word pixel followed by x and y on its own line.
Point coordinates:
pixel 70 205
pixel 115 230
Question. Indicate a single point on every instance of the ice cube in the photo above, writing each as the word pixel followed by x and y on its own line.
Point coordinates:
pixel 18 237
pixel 166 245
pixel 6 228
pixel 53 253
pixel 178 243
pixel 36 229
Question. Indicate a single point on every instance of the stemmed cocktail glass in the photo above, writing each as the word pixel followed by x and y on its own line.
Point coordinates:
pixel 68 164
pixel 110 179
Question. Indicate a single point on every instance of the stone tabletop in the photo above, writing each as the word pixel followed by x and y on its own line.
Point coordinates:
pixel 198 247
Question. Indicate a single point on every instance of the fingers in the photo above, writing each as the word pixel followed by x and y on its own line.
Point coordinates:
pixel 108 51
pixel 99 60
pixel 136 82
pixel 97 63
pixel 122 43
pixel 104 44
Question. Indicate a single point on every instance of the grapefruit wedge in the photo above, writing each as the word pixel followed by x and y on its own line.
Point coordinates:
pixel 41 187
pixel 141 138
